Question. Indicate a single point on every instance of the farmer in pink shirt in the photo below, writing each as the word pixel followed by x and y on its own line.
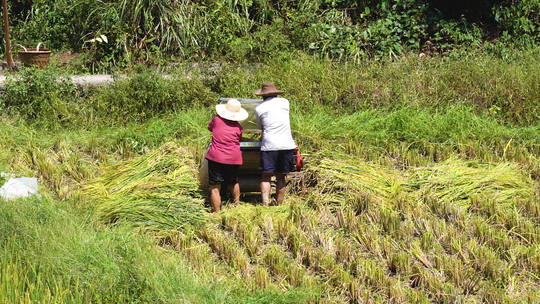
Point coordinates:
pixel 224 156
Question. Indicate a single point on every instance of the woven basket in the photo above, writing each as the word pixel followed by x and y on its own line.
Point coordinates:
pixel 37 57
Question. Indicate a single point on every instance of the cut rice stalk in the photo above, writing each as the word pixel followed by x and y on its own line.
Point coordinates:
pixel 157 191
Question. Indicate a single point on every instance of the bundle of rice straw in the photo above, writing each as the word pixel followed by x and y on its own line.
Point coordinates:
pixel 157 191
pixel 458 181
pixel 348 174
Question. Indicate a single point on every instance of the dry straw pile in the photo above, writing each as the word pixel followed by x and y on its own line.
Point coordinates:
pixel 157 191
pixel 461 181
pixel 455 181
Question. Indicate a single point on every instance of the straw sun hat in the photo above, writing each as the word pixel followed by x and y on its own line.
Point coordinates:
pixel 232 110
pixel 268 89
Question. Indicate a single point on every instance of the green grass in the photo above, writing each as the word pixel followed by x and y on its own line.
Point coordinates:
pixel 51 252
pixel 423 186
pixel 507 91
pixel 419 136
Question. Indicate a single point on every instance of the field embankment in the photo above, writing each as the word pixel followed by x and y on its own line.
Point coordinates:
pixel 423 187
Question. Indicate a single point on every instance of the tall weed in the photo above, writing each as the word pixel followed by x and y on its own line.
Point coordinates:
pixel 507 91
pixel 146 95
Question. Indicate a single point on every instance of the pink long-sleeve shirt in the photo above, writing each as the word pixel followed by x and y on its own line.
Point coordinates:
pixel 225 146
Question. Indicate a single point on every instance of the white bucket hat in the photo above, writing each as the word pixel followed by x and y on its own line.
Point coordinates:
pixel 232 110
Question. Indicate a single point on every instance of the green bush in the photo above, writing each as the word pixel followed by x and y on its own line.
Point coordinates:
pixel 401 26
pixel 519 22
pixel 449 34
pixel 268 41
pixel 40 96
pixel 63 24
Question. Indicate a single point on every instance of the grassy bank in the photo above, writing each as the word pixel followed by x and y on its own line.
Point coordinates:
pixel 505 91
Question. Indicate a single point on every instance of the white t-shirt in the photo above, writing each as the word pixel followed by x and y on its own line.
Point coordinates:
pixel 273 119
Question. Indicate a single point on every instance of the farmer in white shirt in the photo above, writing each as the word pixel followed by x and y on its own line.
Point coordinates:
pixel 277 156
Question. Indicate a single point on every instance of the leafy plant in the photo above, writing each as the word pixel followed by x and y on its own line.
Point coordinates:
pixel 401 26
pixel 157 32
pixel 519 21
pixel 40 96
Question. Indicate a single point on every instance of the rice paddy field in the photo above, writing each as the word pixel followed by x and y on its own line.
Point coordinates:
pixel 422 186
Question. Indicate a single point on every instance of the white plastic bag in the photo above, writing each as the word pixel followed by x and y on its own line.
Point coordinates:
pixel 19 187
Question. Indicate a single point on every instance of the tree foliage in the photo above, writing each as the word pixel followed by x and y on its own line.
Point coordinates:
pixel 152 30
